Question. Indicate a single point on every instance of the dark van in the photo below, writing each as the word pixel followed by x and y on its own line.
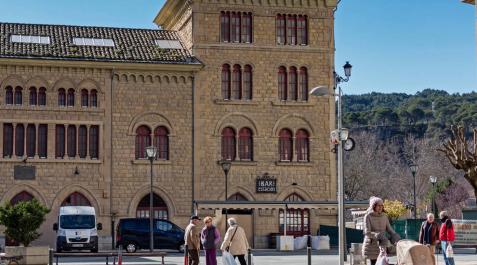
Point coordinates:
pixel 133 234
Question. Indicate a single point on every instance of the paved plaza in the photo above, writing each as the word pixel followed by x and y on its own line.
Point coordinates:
pixel 263 257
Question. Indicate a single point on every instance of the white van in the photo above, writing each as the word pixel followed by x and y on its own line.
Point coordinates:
pixel 77 229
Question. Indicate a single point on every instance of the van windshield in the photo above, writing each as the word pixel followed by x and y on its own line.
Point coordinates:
pixel 77 221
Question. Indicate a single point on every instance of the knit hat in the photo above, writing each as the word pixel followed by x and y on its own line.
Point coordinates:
pixel 372 202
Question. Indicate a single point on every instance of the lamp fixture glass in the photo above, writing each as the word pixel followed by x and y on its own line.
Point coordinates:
pixel 414 168
pixel 151 151
pixel 347 69
pixel 226 164
pixel 433 179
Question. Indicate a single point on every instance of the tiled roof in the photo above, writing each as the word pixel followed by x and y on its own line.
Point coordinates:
pixel 130 45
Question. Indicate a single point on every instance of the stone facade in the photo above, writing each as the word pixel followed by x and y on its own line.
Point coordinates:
pixel 198 22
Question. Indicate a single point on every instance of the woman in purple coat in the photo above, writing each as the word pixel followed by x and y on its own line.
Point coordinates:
pixel 210 237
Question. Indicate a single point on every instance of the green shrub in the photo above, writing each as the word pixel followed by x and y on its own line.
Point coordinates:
pixel 22 220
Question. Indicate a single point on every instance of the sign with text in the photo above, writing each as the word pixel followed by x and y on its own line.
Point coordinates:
pixel 266 184
pixel 24 172
pixel 465 232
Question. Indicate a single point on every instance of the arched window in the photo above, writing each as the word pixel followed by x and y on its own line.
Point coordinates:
pixel 18 96
pixel 70 99
pixel 280 23
pixel 291 29
pixel 285 144
pixel 245 144
pixel 76 199
pixel 94 141
pixel 282 83
pixel 225 26
pixel 93 98
pixel 31 140
pixel 21 197
pixel 42 140
pixel 61 97
pixel 71 141
pixel 42 96
pixel 293 88
pixel 246 27
pixel 235 27
pixel 19 140
pixel 298 220
pixel 159 207
pixel 143 140
pixel 302 145
pixel 60 141
pixel 226 81
pixel 302 31
pixel 237 82
pixel 9 95
pixel 247 82
pixel 161 141
pixel 7 140
pixel 303 84
pixel 228 144
pixel 33 96
pixel 82 141
pixel 237 197
pixel 84 98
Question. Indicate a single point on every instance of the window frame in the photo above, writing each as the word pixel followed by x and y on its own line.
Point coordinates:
pixel 70 98
pixel 282 83
pixel 8 140
pixel 281 29
pixel 293 84
pixel 93 98
pixel 71 141
pixel 302 145
pixel 143 140
pixel 94 141
pixel 161 142
pixel 228 144
pixel 18 96
pixel 82 141
pixel 19 140
pixel 303 80
pixel 225 26
pixel 236 92
pixel 42 96
pixel 226 82
pixel 245 144
pixel 247 90
pixel 84 98
pixel 62 97
pixel 285 145
pixel 43 141
pixel 31 141
pixel 33 96
pixel 60 138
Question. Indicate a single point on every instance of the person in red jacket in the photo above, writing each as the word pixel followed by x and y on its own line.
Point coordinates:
pixel 446 235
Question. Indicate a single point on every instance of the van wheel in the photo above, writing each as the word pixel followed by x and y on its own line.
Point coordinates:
pixel 131 247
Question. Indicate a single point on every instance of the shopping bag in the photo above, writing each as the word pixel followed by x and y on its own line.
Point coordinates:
pixel 449 251
pixel 382 258
pixel 228 259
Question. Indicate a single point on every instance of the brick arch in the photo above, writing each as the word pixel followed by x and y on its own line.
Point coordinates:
pixel 13 81
pixel 152 120
pixel 68 190
pixel 237 121
pixel 293 122
pixel 38 81
pixel 23 187
pixel 236 189
pixel 143 191
pixel 64 82
pixel 90 84
pixel 294 190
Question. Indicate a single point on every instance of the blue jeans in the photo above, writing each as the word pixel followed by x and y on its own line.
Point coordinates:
pixel 450 260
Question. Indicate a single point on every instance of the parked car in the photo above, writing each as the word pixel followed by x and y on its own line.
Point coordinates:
pixel 133 234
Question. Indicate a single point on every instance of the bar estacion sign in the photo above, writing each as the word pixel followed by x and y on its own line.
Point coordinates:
pixel 266 184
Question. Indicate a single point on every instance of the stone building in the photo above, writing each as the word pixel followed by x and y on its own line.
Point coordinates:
pixel 221 81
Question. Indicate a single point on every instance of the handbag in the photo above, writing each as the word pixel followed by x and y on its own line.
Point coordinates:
pixel 228 259
pixel 230 243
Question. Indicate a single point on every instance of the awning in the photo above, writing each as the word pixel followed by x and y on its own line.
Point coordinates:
pixel 266 205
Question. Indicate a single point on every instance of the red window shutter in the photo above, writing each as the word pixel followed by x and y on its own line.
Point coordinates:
pixel 143 140
pixel 247 82
pixel 285 145
pixel 245 144
pixel 226 81
pixel 61 97
pixel 161 141
pixel 293 88
pixel 228 144
pixel 247 27
pixel 94 142
pixel 82 141
pixel 280 22
pixel 84 98
pixel 33 96
pixel 42 96
pixel 9 95
pixel 70 98
pixel 7 140
pixel 18 96
pixel 225 26
pixel 237 82
pixel 235 27
pixel 19 140
pixel 291 29
pixel 42 140
pixel 31 140
pixel 303 84
pixel 71 141
pixel 302 145
pixel 302 30
pixel 282 83
pixel 60 141
pixel 94 98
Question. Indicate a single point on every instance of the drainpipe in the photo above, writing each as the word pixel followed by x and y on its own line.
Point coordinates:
pixel 193 143
pixel 111 158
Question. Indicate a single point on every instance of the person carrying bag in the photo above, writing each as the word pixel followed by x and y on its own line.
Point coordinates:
pixel 235 241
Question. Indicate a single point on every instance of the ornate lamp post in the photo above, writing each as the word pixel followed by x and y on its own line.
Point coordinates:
pixel 414 169
pixel 151 152
pixel 226 165
pixel 433 180
pixel 342 142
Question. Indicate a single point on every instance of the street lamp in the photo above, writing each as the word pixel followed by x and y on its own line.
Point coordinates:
pixel 226 164
pixel 342 136
pixel 414 169
pixel 433 180
pixel 151 152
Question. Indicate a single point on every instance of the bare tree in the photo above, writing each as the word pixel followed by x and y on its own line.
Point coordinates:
pixel 461 155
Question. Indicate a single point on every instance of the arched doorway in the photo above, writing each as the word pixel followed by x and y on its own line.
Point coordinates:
pixel 237 197
pixel 159 207
pixel 244 217
pixel 21 197
pixel 298 220
pixel 76 199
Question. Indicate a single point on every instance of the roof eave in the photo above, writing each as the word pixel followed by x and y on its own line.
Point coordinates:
pixel 168 9
pixel 472 2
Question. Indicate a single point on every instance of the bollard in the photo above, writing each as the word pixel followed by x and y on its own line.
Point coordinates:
pixel 120 255
pixel 249 257
pixel 50 257
pixel 308 249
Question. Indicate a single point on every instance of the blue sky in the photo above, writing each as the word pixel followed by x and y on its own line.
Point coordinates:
pixel 393 45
